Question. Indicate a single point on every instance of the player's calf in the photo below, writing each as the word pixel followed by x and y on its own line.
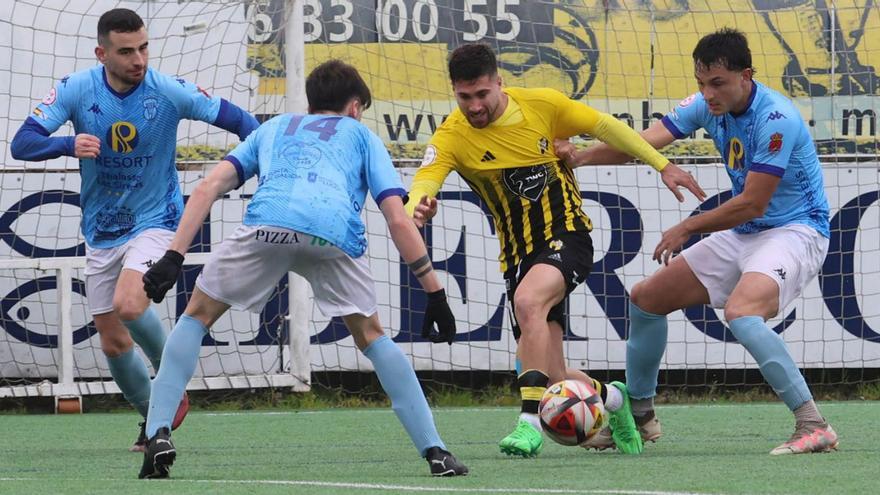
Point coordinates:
pixel 159 456
pixel 443 463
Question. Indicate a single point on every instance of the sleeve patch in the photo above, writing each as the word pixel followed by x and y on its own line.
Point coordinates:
pixel 50 97
pixel 430 155
pixel 687 101
pixel 775 143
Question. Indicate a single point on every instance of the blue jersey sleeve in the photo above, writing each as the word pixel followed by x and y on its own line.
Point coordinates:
pixel 192 101
pixel 245 156
pixel 775 138
pixel 382 179
pixel 689 115
pixel 59 104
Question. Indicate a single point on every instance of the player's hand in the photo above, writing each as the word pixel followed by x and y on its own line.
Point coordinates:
pixel 675 177
pixel 565 150
pixel 86 146
pixel 425 211
pixel 437 311
pixel 162 275
pixel 671 243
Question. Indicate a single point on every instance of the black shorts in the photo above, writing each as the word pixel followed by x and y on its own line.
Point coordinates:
pixel 571 253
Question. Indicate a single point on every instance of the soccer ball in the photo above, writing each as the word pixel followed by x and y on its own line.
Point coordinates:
pixel 571 412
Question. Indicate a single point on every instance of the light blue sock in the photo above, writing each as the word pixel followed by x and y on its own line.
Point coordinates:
pixel 776 364
pixel 149 333
pixel 178 365
pixel 131 375
pixel 407 399
pixel 644 350
pixel 517 365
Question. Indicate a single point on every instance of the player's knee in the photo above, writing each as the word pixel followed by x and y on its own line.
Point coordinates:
pixel 638 295
pixel 127 310
pixel 116 343
pixel 527 310
pixel 736 308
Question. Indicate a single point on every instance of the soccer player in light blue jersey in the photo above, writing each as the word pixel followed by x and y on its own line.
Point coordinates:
pixel 767 242
pixel 125 118
pixel 314 173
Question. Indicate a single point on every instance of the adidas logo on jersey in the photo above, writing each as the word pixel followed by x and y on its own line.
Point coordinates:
pixel 487 156
pixel 555 257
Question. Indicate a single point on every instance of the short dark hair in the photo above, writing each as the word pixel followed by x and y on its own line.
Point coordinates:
pixel 331 85
pixel 119 20
pixel 472 61
pixel 726 47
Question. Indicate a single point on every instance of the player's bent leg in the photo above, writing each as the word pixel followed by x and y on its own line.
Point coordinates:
pixel 755 299
pixel 542 287
pixel 126 367
pixel 179 360
pixel 133 307
pixel 408 401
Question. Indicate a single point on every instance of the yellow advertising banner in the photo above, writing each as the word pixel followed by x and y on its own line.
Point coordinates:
pixel 628 57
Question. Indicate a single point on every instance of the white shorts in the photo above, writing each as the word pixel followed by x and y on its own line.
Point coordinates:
pixel 791 255
pixel 243 271
pixel 104 265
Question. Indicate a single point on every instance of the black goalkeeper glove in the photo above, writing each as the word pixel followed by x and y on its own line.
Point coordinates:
pixel 162 275
pixel 437 311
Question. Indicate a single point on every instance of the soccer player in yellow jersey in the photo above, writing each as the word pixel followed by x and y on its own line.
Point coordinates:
pixel 500 140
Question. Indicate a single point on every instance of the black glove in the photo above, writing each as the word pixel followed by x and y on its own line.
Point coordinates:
pixel 437 311
pixel 162 275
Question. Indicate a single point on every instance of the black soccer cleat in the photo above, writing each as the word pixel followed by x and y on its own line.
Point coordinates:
pixel 140 444
pixel 159 456
pixel 443 463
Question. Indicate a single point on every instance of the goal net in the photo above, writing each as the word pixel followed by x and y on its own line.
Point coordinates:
pixel 628 58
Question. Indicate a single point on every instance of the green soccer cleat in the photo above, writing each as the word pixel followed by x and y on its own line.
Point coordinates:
pixel 525 441
pixel 623 425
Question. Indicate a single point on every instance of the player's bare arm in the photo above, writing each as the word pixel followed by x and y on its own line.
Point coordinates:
pixel 163 274
pixel 222 179
pixel 413 251
pixel 751 204
pixel 409 242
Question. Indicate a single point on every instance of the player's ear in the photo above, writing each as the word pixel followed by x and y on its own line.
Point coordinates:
pixel 100 53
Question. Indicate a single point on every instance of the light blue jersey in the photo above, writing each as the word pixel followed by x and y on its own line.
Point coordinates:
pixel 314 172
pixel 132 185
pixel 769 137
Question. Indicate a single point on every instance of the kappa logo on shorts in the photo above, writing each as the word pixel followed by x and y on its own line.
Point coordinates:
pixel 148 263
pixel 780 272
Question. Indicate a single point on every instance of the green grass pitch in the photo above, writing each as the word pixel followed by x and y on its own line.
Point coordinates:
pixel 706 449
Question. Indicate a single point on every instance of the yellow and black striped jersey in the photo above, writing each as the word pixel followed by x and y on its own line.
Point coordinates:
pixel 511 165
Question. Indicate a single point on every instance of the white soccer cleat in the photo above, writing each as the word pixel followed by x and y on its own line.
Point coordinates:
pixel 649 430
pixel 807 439
pixel 600 441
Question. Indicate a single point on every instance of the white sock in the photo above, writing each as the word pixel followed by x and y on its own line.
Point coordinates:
pixel 613 398
pixel 532 419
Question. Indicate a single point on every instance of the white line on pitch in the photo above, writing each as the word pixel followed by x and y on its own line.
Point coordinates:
pixel 377 486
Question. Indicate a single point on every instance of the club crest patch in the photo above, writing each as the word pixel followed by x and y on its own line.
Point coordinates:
pixel 526 182
pixel 775 143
